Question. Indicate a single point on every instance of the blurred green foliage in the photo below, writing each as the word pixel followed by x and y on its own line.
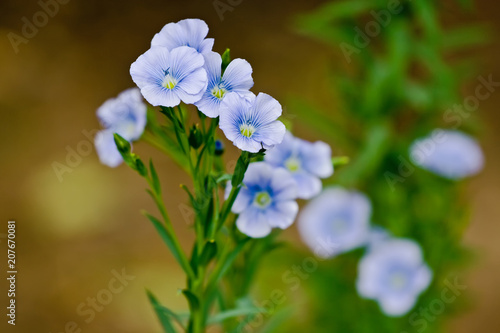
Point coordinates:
pixel 395 83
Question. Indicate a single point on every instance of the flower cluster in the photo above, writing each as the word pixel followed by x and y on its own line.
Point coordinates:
pixel 125 115
pixel 391 272
pixel 290 170
pixel 180 67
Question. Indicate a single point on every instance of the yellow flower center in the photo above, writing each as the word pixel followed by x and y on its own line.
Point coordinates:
pixel 262 199
pixel 219 92
pixel 169 82
pixel 398 280
pixel 292 164
pixel 247 130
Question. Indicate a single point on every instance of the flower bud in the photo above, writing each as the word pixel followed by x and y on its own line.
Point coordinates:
pixel 195 137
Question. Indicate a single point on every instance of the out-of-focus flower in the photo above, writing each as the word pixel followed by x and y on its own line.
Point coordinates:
pixel 168 77
pixel 450 154
pixel 250 122
pixel 125 115
pixel 106 149
pixel 307 161
pixel 394 274
pixel 236 78
pixel 266 200
pixel 338 218
pixel 188 32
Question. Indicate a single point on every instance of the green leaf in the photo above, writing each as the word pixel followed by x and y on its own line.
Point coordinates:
pixel 240 169
pixel 221 316
pixel 224 265
pixel 209 252
pixel 154 178
pixel 164 319
pixel 224 178
pixel 167 239
pixel 194 302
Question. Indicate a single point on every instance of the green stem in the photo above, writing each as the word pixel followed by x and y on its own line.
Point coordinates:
pixel 170 229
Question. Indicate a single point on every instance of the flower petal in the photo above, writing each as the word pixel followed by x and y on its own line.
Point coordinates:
pixel 106 149
pixel 157 95
pixel 270 134
pixel 150 67
pixel 238 75
pixel 243 200
pixel 317 159
pixel 188 32
pixel 283 185
pixel 186 68
pixel 253 222
pixel 265 110
pixel 282 214
pixel 308 185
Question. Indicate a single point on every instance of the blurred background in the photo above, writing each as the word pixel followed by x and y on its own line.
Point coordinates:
pixel 79 223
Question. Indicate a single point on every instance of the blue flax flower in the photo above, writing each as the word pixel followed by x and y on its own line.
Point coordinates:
pixel 450 154
pixel 394 274
pixel 168 77
pixel 125 115
pixel 307 161
pixel 250 122
pixel 237 77
pixel 335 222
pixel 266 200
pixel 188 32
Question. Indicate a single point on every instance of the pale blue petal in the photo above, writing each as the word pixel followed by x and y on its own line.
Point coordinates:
pixel 317 159
pixel 188 32
pixel 337 217
pixel 283 185
pixel 243 201
pixel 253 222
pixel 125 114
pixel 247 144
pixel 450 154
pixel 192 83
pixel 106 149
pixel 270 134
pixel 265 110
pixel 206 45
pixel 232 112
pixel 157 95
pixel 308 185
pixel 150 67
pixel 213 66
pixel 186 66
pixel 209 105
pixel 280 153
pixel 238 75
pixel 171 36
pixel 258 174
pixel 396 306
pixel 282 214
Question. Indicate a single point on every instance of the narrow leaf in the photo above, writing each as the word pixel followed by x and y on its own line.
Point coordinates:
pixel 164 319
